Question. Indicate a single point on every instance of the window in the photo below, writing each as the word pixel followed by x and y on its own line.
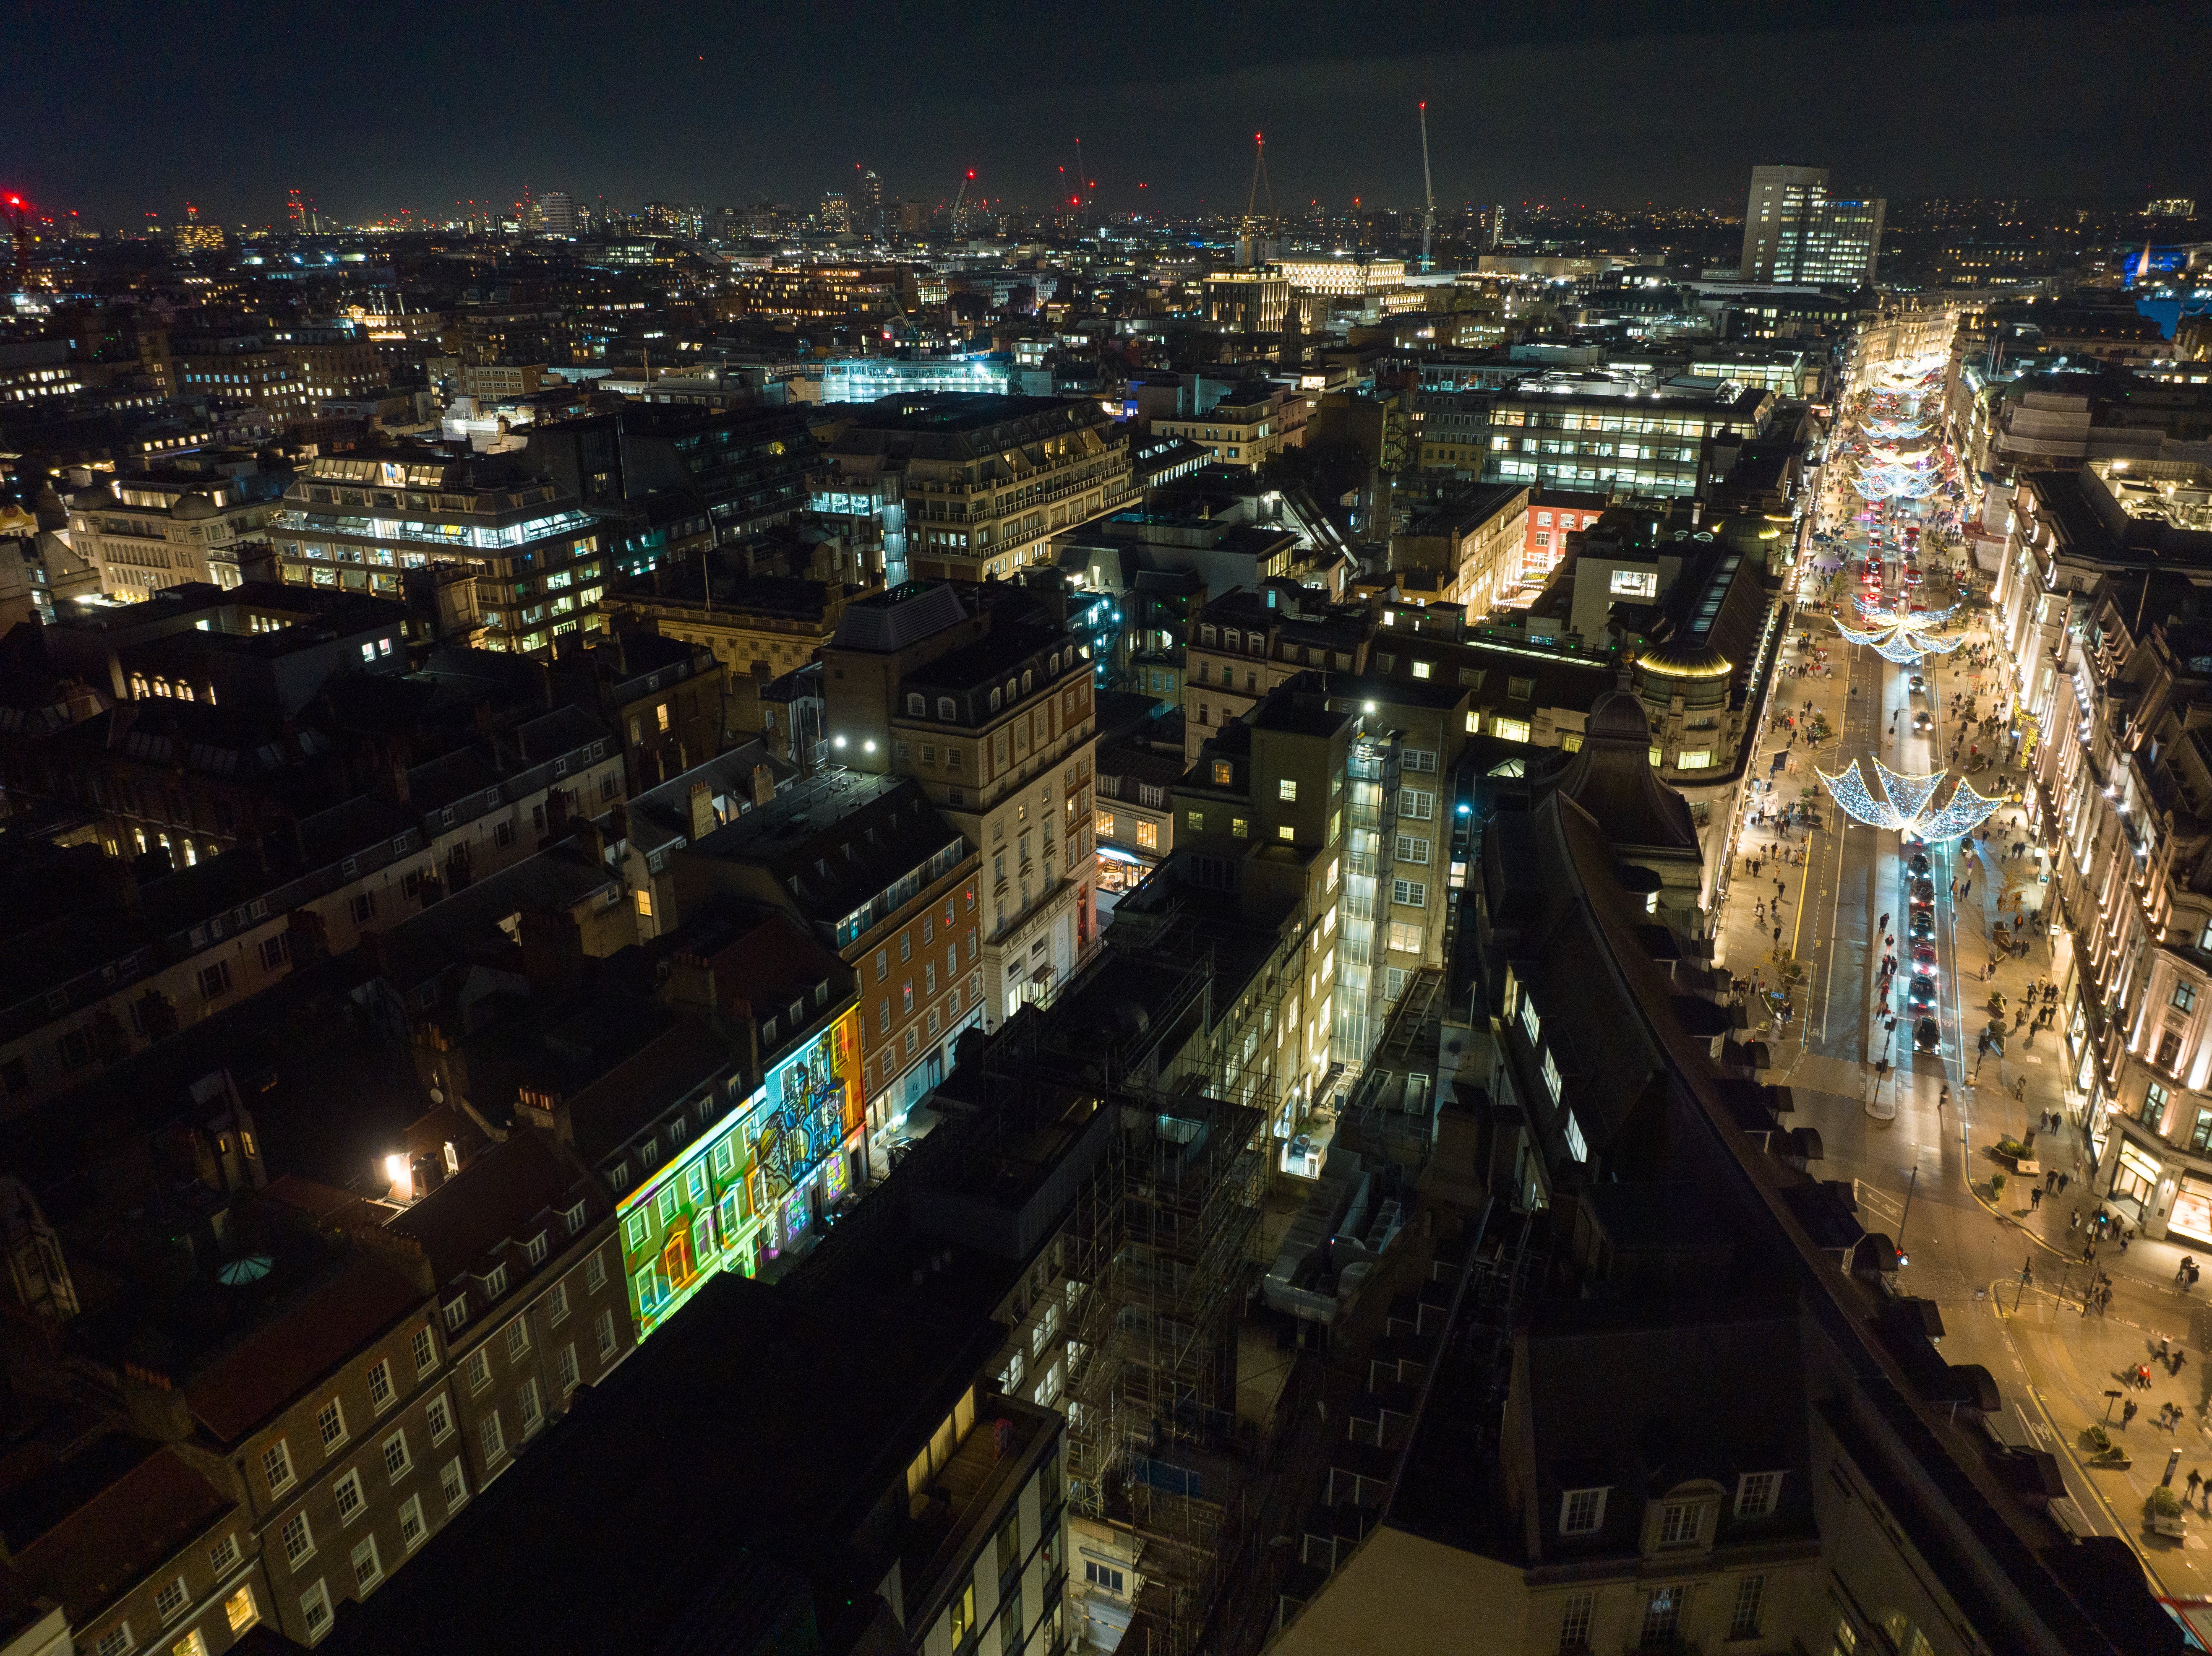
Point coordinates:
pixel 457 1313
pixel 276 1466
pixel 493 1437
pixel 2184 996
pixel 299 1539
pixel 116 1641
pixel 273 950
pixel 215 979
pixel 595 1274
pixel 518 1337
pixel 368 1568
pixel 1755 1494
pixel 1577 1147
pixel 330 1421
pixel 1148 835
pixel 397 1462
pixel 963 1614
pixel 604 1331
pixel 439 1418
pixel 2169 1049
pixel 564 1368
pixel 1418 759
pixel 533 1410
pixel 1412 850
pixel 1663 1616
pixel 1420 668
pixel 1551 1075
pixel 454 1481
pixel 1099 1575
pixel 1240 828
pixel 1679 1522
pixel 315 1608
pixel 411 1527
pixel 1634 583
pixel 170 1599
pixel 380 1385
pixel 1194 820
pixel 556 1303
pixel 240 1610
pixel 574 1219
pixel 347 1492
pixel 426 1351
pixel 363 907
pixel 1416 804
pixel 2154 1106
pixel 1750 1597
pixel 1224 773
pixel 222 1557
pixel 1510 730
pixel 1287 790
pixel 479 1369
pixel 1412 893
pixel 1581 1511
pixel 1574 1621
pixel 1406 936
pixel 1284 831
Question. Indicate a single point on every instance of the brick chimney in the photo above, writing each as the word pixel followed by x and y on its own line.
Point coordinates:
pixel 764 785
pixel 702 812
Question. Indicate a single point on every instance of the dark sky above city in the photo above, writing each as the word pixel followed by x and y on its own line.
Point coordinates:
pixel 119 112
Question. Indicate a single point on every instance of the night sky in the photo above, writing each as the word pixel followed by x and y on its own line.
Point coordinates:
pixel 118 112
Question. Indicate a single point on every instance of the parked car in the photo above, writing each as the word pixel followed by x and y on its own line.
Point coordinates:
pixel 1920 994
pixel 1918 862
pixel 1922 924
pixel 1923 891
pixel 1923 959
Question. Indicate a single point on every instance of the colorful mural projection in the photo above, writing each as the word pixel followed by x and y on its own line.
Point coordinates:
pixel 750 1182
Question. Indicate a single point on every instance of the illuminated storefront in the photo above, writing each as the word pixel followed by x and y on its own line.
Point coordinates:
pixel 750 1185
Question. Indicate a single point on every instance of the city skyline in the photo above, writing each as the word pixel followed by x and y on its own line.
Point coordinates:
pixel 1630 114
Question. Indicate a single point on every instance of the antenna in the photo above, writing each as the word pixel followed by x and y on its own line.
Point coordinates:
pixel 1428 190
pixel 1258 178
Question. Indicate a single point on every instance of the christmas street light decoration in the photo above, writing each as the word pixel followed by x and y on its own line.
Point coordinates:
pixel 1905 635
pixel 1906 803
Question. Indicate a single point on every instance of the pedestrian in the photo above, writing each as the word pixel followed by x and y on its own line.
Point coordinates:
pixel 1777 937
pixel 2127 1413
pixel 2195 1478
pixel 2035 1198
pixel 2173 1363
pixel 2074 1221
pixel 1943 1095
pixel 2064 1180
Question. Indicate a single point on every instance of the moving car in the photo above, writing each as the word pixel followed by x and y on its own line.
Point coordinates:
pixel 1922 922
pixel 1915 684
pixel 1920 994
pixel 1926 1037
pixel 1919 864
pixel 1924 892
pixel 1924 958
pixel 1922 720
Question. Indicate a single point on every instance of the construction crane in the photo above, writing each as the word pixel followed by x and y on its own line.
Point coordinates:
pixel 960 197
pixel 1428 190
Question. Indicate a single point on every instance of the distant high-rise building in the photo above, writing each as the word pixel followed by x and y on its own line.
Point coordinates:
pixel 1794 231
pixel 2171 207
pixel 868 203
pixel 836 213
pixel 558 208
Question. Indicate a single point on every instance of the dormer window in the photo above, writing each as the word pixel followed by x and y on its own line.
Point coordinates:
pixel 822 992
pixel 1026 680
pixel 574 1219
pixel 945 709
pixel 1582 1511
pixel 1757 1494
pixel 535 1249
pixel 797 1010
pixel 916 703
pixel 769 1033
pixel 995 701
pixel 494 1281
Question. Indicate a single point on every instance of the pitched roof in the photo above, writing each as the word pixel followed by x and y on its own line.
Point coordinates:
pixel 247 1383
pixel 491 1201
pixel 106 1545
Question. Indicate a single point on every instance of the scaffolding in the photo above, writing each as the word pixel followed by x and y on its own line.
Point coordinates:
pixel 1164 1237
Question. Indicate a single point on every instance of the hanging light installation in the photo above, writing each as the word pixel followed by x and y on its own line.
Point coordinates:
pixel 1906 804
pixel 1904 635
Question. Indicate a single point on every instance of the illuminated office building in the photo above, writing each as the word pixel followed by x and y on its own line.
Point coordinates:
pixel 1578 431
pixel 1794 231
pixel 357 524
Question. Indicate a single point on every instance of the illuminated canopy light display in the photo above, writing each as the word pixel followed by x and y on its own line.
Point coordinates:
pixel 1905 803
pixel 1905 635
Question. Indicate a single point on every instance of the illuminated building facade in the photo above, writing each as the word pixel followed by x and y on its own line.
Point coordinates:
pixel 1578 431
pixel 355 524
pixel 1794 231
pixel 2109 683
pixel 1553 514
pixel 751 1184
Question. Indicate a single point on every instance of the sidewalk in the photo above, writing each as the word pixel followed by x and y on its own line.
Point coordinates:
pixel 2072 1362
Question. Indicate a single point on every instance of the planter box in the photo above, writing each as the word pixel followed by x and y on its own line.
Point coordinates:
pixel 2177 1526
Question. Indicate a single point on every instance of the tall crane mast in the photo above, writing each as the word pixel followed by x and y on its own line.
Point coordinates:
pixel 959 196
pixel 1428 190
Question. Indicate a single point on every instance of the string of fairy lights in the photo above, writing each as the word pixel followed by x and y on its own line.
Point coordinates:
pixel 1906 804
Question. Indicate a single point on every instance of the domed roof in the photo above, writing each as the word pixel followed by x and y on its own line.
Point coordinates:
pixel 1619 714
pixel 1685 660
pixel 192 507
